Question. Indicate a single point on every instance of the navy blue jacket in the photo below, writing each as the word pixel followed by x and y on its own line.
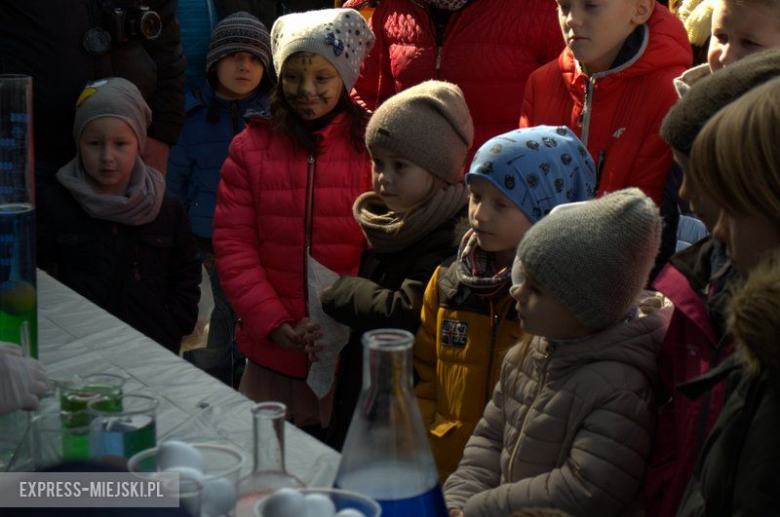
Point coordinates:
pixel 147 276
pixel 196 160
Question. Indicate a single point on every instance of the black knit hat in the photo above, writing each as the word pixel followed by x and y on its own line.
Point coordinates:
pixel 705 98
pixel 239 32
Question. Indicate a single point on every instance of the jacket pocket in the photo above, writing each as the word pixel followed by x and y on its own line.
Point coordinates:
pixel 442 426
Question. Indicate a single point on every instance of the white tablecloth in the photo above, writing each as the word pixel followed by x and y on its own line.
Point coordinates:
pixel 77 337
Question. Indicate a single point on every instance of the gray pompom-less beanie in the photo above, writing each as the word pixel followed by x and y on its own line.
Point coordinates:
pixel 428 124
pixel 113 97
pixel 595 256
pixel 341 36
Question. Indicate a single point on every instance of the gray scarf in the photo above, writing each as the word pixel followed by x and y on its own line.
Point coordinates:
pixel 388 232
pixel 139 205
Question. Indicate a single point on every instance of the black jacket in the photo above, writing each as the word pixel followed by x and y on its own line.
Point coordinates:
pixel 44 39
pixel 388 293
pixel 146 275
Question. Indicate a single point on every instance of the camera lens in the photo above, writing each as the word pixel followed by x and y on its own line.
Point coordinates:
pixel 150 25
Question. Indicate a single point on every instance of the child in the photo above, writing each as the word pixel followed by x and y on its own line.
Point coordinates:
pixel 612 85
pixel 571 421
pixel 744 182
pixel 468 320
pixel 239 67
pixel 418 140
pixel 110 231
pixel 696 282
pixel 487 47
pixel 286 198
pixel 739 29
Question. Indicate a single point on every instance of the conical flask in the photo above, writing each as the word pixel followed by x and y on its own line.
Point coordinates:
pixel 269 473
pixel 386 454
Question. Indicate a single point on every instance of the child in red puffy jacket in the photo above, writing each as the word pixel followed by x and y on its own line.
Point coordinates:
pixel 285 199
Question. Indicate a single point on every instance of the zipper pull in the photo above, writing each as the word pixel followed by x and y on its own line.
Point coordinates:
pixel 438 59
pixel 311 158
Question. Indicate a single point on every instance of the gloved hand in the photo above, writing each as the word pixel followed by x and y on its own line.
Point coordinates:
pixel 22 379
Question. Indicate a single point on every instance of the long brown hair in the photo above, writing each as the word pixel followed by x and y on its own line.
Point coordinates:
pixel 301 132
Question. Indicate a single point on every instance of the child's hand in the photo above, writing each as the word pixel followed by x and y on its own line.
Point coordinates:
pixel 308 331
pixel 287 337
pixel 454 512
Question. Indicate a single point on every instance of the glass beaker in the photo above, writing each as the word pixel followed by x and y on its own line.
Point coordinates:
pixel 386 455
pixel 118 431
pixel 269 473
pixel 18 301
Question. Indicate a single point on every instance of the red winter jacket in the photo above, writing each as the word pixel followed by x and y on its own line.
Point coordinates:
pixel 489 49
pixel 617 113
pixel 260 227
pixel 690 349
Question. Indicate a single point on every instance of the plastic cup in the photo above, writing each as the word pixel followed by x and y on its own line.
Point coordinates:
pixel 222 462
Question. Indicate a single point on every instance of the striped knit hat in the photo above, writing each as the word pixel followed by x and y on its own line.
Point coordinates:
pixel 239 32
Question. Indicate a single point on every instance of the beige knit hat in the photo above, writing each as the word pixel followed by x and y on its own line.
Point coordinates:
pixel 705 98
pixel 113 97
pixel 428 124
pixel 595 256
pixel 341 36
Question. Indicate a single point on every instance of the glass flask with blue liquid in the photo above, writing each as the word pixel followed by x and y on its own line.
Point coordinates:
pixel 386 455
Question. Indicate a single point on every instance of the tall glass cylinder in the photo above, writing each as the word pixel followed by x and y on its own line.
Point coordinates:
pixel 386 455
pixel 269 473
pixel 18 308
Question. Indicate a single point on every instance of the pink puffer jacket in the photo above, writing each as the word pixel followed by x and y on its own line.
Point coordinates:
pixel 260 229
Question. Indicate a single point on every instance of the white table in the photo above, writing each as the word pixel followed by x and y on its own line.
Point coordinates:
pixel 76 336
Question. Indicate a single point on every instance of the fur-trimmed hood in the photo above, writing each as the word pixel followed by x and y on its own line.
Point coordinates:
pixel 754 315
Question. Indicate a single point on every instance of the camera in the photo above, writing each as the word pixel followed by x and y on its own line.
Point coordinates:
pixel 134 22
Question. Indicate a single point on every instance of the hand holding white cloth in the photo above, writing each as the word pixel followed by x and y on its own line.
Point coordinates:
pixel 22 379
pixel 335 335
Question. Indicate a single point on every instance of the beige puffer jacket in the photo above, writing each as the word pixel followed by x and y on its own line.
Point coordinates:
pixel 573 431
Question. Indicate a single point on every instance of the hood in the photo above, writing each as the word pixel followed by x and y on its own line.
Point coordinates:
pixel 754 315
pixel 667 46
pixel 635 343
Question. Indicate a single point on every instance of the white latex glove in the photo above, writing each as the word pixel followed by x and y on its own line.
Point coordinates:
pixel 22 379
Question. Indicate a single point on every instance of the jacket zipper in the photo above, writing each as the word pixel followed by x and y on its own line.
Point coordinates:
pixel 491 351
pixel 234 116
pixel 584 119
pixel 547 358
pixel 308 228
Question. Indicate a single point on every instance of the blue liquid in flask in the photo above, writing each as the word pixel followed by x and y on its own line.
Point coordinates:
pixel 18 303
pixel 401 490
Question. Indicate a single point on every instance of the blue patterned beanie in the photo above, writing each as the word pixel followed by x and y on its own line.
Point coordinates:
pixel 537 168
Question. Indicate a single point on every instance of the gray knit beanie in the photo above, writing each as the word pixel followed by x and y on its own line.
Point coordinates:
pixel 595 256
pixel 341 36
pixel 428 124
pixel 239 32
pixel 706 97
pixel 113 97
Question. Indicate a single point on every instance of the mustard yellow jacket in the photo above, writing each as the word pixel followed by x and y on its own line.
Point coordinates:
pixel 460 345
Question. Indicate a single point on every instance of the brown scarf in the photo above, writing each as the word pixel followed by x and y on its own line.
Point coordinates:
pixel 388 232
